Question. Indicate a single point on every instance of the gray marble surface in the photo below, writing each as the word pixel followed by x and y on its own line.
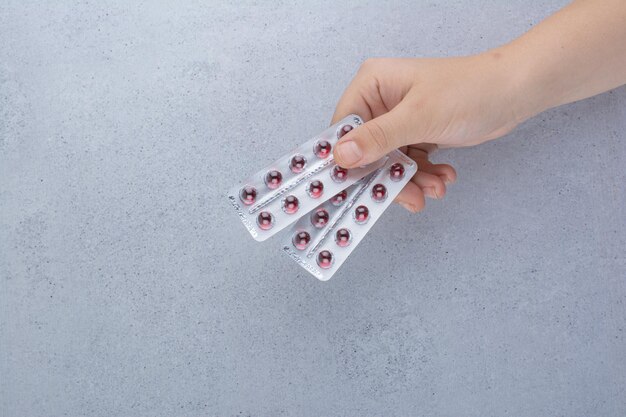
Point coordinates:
pixel 129 287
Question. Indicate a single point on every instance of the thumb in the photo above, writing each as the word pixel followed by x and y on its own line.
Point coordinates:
pixel 374 139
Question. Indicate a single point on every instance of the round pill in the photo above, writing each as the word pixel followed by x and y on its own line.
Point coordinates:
pixel 273 179
pixel 396 171
pixel 343 237
pixel 297 163
pixel 315 189
pixel 339 198
pixel 265 220
pixel 291 204
pixel 322 149
pixel 339 174
pixel 319 218
pixel 379 193
pixel 325 259
pixel 247 195
pixel 343 130
pixel 361 214
pixel 301 240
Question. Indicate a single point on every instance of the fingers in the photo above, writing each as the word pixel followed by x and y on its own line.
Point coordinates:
pixel 430 181
pixel 374 139
pixel 431 185
pixel 411 198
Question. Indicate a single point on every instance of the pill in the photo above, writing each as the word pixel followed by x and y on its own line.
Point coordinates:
pixel 301 240
pixel 339 198
pixel 379 192
pixel 273 179
pixel 322 149
pixel 339 174
pixel 265 220
pixel 247 195
pixel 319 218
pixel 291 204
pixel 343 237
pixel 361 214
pixel 325 259
pixel 297 164
pixel 343 130
pixel 396 171
pixel 315 189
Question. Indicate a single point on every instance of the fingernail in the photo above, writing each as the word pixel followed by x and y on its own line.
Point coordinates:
pixel 447 180
pixel 430 192
pixel 349 152
pixel 407 206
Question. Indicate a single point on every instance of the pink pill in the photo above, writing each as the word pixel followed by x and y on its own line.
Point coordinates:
pixel 297 164
pixel 322 149
pixel 343 130
pixel 247 195
pixel 361 214
pixel 343 237
pixel 339 174
pixel 315 189
pixel 319 218
pixel 291 204
pixel 396 171
pixel 273 179
pixel 379 192
pixel 301 240
pixel 265 220
pixel 325 259
pixel 339 198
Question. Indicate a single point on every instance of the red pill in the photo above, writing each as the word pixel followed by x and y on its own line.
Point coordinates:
pixel 247 195
pixel 339 198
pixel 343 130
pixel 301 240
pixel 396 172
pixel 343 237
pixel 291 204
pixel 379 193
pixel 315 189
pixel 297 163
pixel 265 220
pixel 361 214
pixel 325 259
pixel 273 179
pixel 320 218
pixel 322 149
pixel 339 174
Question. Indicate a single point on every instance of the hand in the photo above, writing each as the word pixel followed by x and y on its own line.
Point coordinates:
pixel 422 103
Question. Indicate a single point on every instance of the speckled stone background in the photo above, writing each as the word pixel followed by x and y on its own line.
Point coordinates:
pixel 128 286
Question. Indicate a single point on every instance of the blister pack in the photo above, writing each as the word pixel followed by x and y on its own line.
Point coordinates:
pixel 295 184
pixel 321 241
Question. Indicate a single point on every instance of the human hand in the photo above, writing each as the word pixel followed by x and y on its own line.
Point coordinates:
pixel 419 104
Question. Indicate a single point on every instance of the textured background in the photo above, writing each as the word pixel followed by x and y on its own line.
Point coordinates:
pixel 129 287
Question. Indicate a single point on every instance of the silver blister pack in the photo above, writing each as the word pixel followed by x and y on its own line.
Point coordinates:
pixel 284 191
pixel 321 241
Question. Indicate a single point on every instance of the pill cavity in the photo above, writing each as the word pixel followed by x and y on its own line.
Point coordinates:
pixel 319 218
pixel 325 259
pixel 265 220
pixel 339 174
pixel 315 189
pixel 396 171
pixel 297 164
pixel 291 204
pixel 379 193
pixel 343 130
pixel 322 149
pixel 361 214
pixel 247 195
pixel 301 240
pixel 339 198
pixel 273 179
pixel 343 237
